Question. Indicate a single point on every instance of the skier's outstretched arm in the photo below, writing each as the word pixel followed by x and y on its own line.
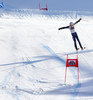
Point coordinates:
pixel 63 27
pixel 77 21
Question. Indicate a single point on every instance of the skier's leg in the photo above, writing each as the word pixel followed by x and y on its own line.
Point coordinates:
pixel 79 41
pixel 75 44
pixel 73 36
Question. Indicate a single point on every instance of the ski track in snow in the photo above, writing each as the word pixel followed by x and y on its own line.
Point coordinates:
pixel 33 56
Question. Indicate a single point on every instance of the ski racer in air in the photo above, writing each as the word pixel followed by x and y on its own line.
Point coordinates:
pixel 74 33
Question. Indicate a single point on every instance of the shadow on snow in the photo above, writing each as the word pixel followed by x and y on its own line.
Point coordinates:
pixel 85 89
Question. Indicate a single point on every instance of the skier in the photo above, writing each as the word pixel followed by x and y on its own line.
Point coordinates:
pixel 74 33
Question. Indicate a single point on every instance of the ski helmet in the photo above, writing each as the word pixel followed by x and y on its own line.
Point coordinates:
pixel 71 23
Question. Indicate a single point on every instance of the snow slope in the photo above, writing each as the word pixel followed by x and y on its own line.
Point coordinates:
pixel 33 56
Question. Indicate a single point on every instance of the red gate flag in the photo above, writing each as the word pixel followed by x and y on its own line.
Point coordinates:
pixel 43 8
pixel 72 63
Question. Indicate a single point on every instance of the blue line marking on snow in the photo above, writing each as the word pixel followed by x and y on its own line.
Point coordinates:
pixel 53 53
pixel 75 91
pixel 5 83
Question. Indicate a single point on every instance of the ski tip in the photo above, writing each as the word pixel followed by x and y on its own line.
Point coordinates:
pixel 83 48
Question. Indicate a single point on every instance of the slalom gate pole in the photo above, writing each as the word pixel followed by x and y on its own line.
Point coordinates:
pixel 72 63
pixel 78 75
pixel 65 74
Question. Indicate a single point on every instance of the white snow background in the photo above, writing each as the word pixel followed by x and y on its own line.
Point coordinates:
pixel 33 55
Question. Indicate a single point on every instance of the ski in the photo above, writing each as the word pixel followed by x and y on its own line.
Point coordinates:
pixel 84 48
pixel 81 49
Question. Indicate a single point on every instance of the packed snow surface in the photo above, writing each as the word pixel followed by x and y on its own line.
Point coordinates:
pixel 33 55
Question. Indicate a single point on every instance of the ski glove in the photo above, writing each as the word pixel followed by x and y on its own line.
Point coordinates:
pixel 59 29
pixel 80 19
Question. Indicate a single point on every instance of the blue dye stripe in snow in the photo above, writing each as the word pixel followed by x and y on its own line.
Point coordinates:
pixel 5 83
pixel 54 54
pixel 76 89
